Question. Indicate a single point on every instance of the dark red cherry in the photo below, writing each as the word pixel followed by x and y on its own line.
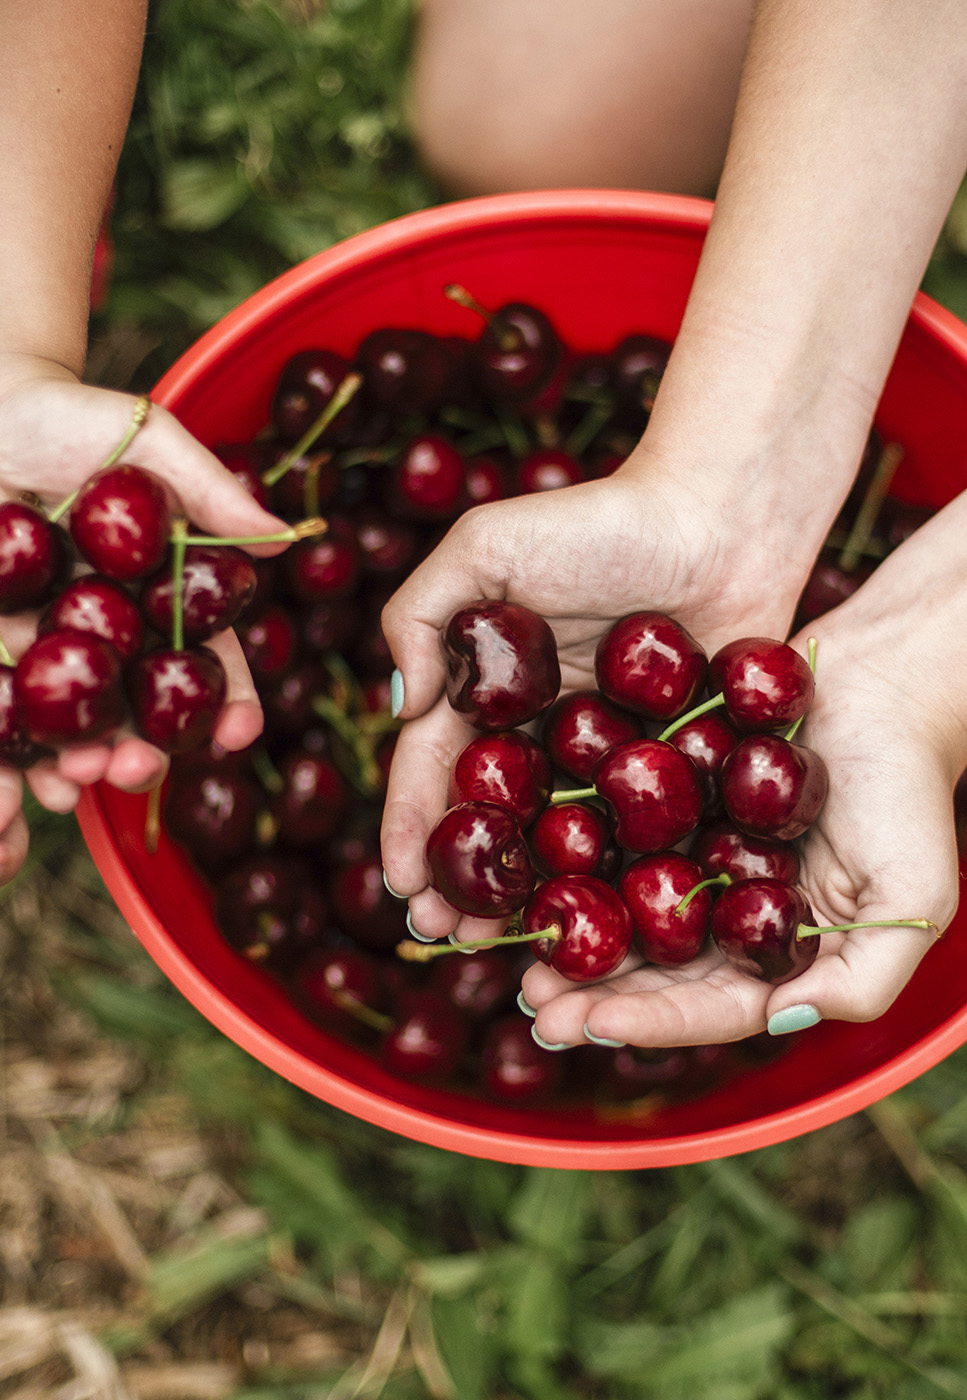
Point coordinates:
pixel 591 925
pixel 287 701
pixel 121 522
pixel 329 625
pixel 219 582
pixel 517 353
pixel 270 910
pixel 428 482
pixel 656 792
pixel 486 480
pixel 387 547
pixel 513 1065
pixel 766 684
pixel 362 905
pixel 772 787
pixel 310 485
pixel 502 666
pixel 508 768
pixel 653 887
pixel 406 372
pixel 312 801
pixel 573 838
pixel 548 469
pixel 638 364
pixel 34 557
pixel 176 696
pixel 722 849
pixel 67 687
pixel 754 924
pixel 477 859
pixel 708 740
pixel 334 983
pixel 305 388
pixel 478 986
pixel 323 568
pixel 17 749
pixel 634 1072
pixel 581 727
pixel 828 585
pixel 269 641
pixel 428 1040
pixel 650 664
pixel 247 461
pixel 93 603
pixel 213 815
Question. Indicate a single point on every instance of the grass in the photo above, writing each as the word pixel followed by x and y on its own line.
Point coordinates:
pixel 177 1221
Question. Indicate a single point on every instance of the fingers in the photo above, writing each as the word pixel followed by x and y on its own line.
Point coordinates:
pixel 241 720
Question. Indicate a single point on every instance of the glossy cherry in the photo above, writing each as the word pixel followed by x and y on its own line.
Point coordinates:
pixel 477 986
pixel 323 568
pixel 17 749
pixel 94 603
pixel 707 740
pixel 67 687
pixel 428 482
pixel 755 924
pixel 513 1066
pixel 361 904
pixel 270 909
pixel 502 666
pixel 507 767
pixel 574 838
pixel 312 800
pixel 656 793
pixel 721 848
pixel 653 887
pixel 218 583
pixel 517 352
pixel 650 664
pixel 305 388
pixel 176 696
pixel 428 1039
pixel 591 926
pixel 580 728
pixel 269 641
pixel 637 365
pixel 213 814
pixel 548 469
pixel 477 859
pixel 772 787
pixel 337 984
pixel 765 684
pixel 407 372
pixel 34 557
pixel 121 520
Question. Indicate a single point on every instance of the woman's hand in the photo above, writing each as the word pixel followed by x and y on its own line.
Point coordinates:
pixel 54 434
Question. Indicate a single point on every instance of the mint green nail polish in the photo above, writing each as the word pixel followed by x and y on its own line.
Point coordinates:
pixel 415 932
pixel 397 694
pixel 545 1044
pixel 389 888
pixel 793 1018
pixel 601 1040
pixel 525 1005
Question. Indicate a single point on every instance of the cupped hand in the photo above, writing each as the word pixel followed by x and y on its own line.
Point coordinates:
pixel 581 557
pixel 54 434
pixel 893 735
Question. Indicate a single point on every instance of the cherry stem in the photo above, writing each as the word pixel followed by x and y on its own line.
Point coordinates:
pixel 142 407
pixel 811 648
pixel 515 434
pixel 345 390
pixel 572 795
pixel 366 774
pixel 179 543
pixel 265 770
pixel 812 931
pixel 713 704
pixel 858 538
pixel 301 530
pixel 5 656
pixel 367 1015
pixel 152 820
pixel 507 338
pixel 588 428
pixel 723 879
pixel 425 952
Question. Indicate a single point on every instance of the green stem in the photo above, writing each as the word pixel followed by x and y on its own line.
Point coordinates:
pixel 862 528
pixel 345 391
pixel 811 648
pixel 723 880
pixel 713 704
pixel 5 656
pixel 141 409
pixel 314 525
pixel 573 795
pixel 425 952
pixel 179 542
pixel 507 337
pixel 588 428
pixel 366 774
pixel 813 931
pixel 265 770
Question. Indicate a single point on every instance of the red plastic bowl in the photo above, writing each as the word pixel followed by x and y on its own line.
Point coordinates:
pixel 603 264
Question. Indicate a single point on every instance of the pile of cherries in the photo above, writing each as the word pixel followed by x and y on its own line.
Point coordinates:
pixel 390 447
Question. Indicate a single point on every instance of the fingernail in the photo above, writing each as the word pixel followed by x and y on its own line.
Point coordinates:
pixel 390 889
pixel 793 1018
pixel 525 1005
pixel 415 932
pixel 397 695
pixel 545 1045
pixel 602 1040
pixel 455 942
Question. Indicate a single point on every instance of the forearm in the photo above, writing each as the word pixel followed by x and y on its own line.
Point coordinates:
pixel 849 140
pixel 67 78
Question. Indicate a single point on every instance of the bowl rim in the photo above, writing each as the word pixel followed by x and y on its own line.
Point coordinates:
pixel 676 213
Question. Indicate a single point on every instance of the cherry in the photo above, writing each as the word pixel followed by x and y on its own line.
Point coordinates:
pixel 246 461
pixel 341 984
pixel 305 388
pixel 308 485
pixel 387 547
pixel 513 1066
pixel 311 802
pixel 329 625
pixel 755 924
pixel 502 666
pixel 653 887
pixel 479 985
pixel 650 664
pixel 656 793
pixel 428 482
pixel 548 469
pixel 581 727
pixel 477 859
pixel 270 909
pixel 16 747
pixel 508 768
pixel 772 787
pixel 213 815
pixel 121 521
pixel 828 585
pixel 362 905
pixel 176 696
pixel 428 1040
pixel 708 739
pixel 218 583
pixel 287 702
pixel 486 480
pixel 406 372
pixel 269 641
pixel 34 557
pixel 722 848
pixel 323 568
pixel 635 1072
pixel 638 364
pixel 589 926
pixel 94 603
pixel 573 838
pixel 67 687
pixel 765 684
pixel 518 350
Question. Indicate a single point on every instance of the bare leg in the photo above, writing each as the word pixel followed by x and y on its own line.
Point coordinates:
pixel 529 94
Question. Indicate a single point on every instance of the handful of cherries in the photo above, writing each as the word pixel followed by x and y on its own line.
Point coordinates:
pixel 593 873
